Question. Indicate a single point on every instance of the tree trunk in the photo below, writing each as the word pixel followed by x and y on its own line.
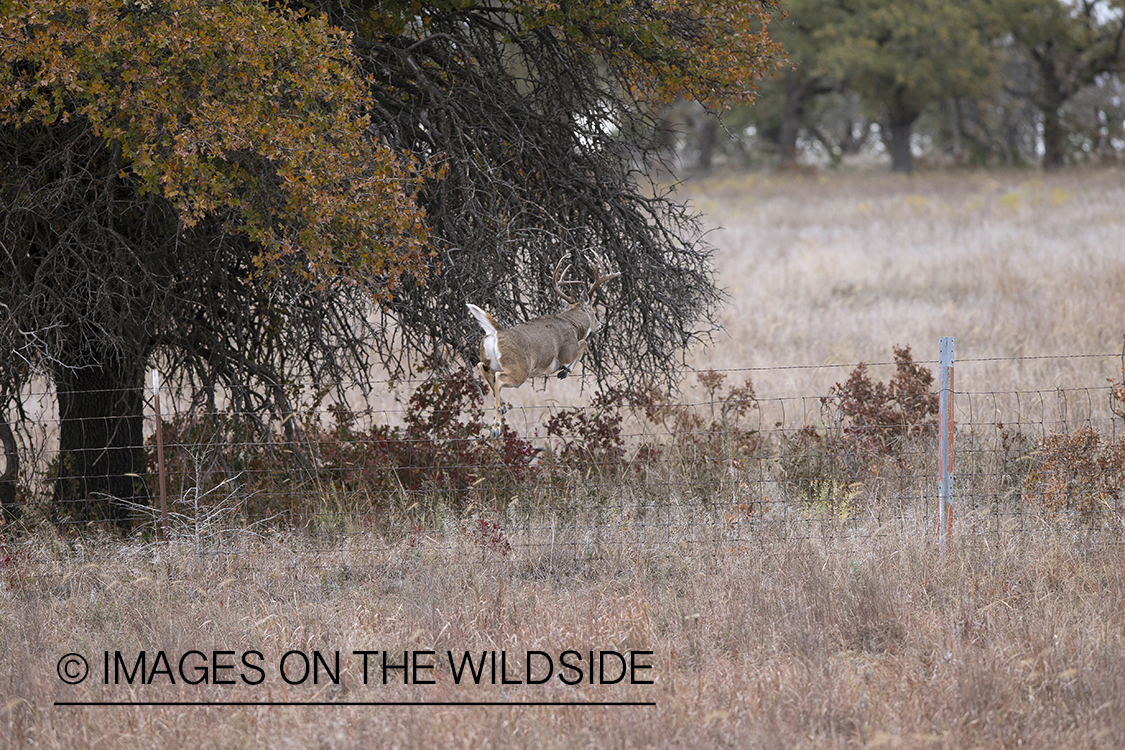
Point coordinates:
pixel 1052 97
pixel 101 444
pixel 1054 154
pixel 11 511
pixel 707 132
pixel 791 120
pixel 955 126
pixel 902 160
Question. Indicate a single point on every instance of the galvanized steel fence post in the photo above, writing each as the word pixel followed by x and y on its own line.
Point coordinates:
pixel 160 456
pixel 945 442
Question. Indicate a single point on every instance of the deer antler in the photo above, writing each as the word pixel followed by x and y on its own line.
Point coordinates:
pixel 543 346
pixel 559 280
pixel 600 275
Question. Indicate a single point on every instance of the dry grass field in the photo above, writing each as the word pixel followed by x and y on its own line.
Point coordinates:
pixel 836 270
pixel 827 271
pixel 814 630
pixel 835 642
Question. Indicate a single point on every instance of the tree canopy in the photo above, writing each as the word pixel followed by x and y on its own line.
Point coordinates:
pixel 225 107
pixel 1071 45
pixel 900 57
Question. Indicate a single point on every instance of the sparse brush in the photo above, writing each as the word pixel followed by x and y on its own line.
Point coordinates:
pixel 869 429
pixel 885 414
pixel 1081 472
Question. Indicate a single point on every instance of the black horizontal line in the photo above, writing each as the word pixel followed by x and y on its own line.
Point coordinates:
pixel 356 703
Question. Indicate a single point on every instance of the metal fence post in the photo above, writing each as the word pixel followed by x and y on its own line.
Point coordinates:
pixel 160 456
pixel 945 442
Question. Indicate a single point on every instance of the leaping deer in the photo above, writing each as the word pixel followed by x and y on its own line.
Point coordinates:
pixel 541 346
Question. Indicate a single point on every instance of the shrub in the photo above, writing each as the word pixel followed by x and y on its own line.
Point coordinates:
pixel 866 422
pixel 720 437
pixel 1078 472
pixel 882 414
pixel 588 439
pixel 205 450
pixel 438 450
pixel 486 535
pixel 1014 458
pixel 820 467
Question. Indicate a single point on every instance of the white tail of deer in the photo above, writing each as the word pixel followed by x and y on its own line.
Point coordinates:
pixel 542 346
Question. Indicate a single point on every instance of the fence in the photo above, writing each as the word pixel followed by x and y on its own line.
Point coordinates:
pixel 718 466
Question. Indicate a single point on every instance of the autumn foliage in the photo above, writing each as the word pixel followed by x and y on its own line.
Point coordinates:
pixel 227 106
pixel 710 50
pixel 884 412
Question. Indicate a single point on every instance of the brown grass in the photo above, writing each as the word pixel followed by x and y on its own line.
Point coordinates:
pixel 828 639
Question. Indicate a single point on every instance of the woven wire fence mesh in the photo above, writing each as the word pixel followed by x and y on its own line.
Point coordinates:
pixel 714 467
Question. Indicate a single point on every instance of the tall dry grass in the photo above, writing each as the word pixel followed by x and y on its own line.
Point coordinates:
pixel 830 639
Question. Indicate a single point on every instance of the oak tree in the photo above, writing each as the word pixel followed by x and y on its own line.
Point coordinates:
pixel 1070 44
pixel 903 56
pixel 191 182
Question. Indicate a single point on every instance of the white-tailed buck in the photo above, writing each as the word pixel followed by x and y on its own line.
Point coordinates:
pixel 542 346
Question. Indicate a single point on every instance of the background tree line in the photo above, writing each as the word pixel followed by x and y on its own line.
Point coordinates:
pixel 983 82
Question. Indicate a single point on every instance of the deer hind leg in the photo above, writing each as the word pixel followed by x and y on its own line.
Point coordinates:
pixel 495 383
pixel 490 378
pixel 567 369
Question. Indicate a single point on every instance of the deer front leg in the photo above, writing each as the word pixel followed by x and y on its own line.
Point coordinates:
pixel 567 369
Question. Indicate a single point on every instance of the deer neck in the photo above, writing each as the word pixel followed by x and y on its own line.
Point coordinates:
pixel 584 320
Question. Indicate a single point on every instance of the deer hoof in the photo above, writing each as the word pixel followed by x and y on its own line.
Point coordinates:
pixel 563 373
pixel 503 410
pixel 495 432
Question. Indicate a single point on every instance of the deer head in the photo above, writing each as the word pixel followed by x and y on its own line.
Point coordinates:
pixel 585 299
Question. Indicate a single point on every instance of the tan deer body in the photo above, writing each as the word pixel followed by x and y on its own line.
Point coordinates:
pixel 539 347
